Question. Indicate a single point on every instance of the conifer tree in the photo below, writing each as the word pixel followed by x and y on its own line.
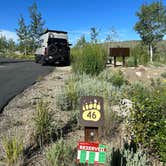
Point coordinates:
pixel 23 35
pixel 93 34
pixel 36 26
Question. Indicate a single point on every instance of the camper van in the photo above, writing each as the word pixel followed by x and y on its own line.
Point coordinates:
pixel 53 48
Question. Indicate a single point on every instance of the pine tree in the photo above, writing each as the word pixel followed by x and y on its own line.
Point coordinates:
pixel 11 45
pixel 23 35
pixel 36 25
pixel 3 44
pixel 94 33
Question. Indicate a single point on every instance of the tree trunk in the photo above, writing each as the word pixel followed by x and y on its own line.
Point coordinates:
pixel 151 53
pixel 25 51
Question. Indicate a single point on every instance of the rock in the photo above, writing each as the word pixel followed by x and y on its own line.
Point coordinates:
pixel 138 74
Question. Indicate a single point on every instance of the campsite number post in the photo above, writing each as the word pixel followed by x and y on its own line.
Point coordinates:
pixel 91 117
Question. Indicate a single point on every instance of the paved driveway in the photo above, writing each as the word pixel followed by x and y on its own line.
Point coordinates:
pixel 17 76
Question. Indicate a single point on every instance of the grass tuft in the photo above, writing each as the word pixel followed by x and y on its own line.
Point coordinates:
pixel 43 123
pixel 13 148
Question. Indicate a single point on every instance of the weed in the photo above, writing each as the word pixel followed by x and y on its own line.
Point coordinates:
pixel 13 148
pixel 111 122
pixel 60 154
pixel 43 123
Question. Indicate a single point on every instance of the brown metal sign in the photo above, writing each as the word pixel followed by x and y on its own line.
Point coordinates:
pixel 121 52
pixel 92 111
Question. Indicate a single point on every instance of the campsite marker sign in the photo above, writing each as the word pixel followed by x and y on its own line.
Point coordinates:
pixel 91 117
pixel 92 111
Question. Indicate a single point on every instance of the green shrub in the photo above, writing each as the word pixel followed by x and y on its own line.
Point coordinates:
pixel 116 78
pixel 60 154
pixel 90 59
pixel 139 55
pixel 135 159
pixel 43 123
pixel 126 156
pixel 85 85
pixel 132 62
pixel 163 74
pixel 13 55
pixel 148 118
pixel 13 148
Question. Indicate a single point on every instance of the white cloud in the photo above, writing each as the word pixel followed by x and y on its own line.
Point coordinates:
pixel 8 34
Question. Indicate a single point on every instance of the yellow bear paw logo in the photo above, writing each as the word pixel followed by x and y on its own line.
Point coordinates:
pixel 91 111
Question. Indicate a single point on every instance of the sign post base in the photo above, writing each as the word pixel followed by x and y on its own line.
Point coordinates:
pixel 91 134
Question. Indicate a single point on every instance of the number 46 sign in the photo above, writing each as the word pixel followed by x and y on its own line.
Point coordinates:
pixel 92 113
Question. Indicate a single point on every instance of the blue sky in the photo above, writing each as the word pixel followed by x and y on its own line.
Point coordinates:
pixel 76 16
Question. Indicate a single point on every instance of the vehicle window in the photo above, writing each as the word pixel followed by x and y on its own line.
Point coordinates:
pixel 58 41
pixel 40 42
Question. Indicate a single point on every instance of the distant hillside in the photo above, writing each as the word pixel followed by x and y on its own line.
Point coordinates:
pixel 130 43
pixel 133 43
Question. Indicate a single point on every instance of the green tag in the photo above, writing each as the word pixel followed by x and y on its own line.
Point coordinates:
pixel 83 156
pixel 102 155
pixel 91 157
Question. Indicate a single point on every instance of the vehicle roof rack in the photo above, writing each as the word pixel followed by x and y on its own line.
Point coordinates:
pixel 57 31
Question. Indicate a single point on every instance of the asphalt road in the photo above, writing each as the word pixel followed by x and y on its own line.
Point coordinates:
pixel 15 76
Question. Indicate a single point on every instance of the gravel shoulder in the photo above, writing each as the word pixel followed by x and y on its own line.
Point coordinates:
pixel 15 77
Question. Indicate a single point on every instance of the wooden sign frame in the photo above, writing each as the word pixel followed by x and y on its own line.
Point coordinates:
pixel 119 52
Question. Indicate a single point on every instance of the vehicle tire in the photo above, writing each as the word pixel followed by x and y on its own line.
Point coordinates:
pixel 52 49
pixel 43 61
pixel 67 61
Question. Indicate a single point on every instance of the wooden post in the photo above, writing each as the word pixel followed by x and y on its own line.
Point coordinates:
pixel 114 61
pixel 91 134
pixel 92 117
pixel 123 61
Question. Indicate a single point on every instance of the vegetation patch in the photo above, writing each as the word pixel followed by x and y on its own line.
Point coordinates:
pixel 148 117
pixel 13 148
pixel 60 153
pixel 163 74
pixel 43 123
pixel 90 59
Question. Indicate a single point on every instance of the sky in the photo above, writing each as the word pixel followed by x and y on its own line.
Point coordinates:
pixel 76 17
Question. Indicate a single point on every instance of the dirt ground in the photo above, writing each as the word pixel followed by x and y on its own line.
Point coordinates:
pixel 143 73
pixel 18 114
